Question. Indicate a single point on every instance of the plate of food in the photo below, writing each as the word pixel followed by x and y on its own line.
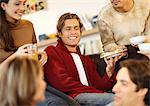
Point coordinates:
pixel 112 54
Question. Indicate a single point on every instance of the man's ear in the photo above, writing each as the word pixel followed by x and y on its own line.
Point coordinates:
pixel 82 29
pixel 3 5
pixel 143 91
pixel 59 34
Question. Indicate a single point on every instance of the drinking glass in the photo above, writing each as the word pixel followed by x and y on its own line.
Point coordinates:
pixel 33 51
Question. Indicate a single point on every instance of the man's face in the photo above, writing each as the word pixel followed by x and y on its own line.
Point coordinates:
pixel 125 89
pixel 119 3
pixel 71 33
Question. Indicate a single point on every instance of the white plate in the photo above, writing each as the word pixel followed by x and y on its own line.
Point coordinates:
pixel 144 52
pixel 111 54
pixel 144 47
pixel 137 40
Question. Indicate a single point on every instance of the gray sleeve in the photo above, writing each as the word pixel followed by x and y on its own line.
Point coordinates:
pixel 107 36
pixel 147 28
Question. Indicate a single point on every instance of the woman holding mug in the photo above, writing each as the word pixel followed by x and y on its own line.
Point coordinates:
pixel 15 32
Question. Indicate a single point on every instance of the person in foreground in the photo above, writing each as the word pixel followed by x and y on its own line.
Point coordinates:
pixel 122 19
pixel 133 84
pixel 15 33
pixel 22 83
pixel 75 74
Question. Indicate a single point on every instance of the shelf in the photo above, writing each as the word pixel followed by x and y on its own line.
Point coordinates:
pixel 90 32
pixel 53 41
pixel 46 42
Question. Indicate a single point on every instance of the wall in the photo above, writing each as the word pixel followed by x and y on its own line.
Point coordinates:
pixel 45 20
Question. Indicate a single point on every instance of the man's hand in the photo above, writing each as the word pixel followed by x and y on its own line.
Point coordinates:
pixel 43 57
pixel 110 65
pixel 123 50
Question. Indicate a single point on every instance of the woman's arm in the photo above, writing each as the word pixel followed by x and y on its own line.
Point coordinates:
pixel 21 51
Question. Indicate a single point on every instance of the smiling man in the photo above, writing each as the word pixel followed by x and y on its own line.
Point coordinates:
pixel 133 84
pixel 72 73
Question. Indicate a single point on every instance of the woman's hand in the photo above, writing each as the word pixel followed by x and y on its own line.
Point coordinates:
pixel 22 50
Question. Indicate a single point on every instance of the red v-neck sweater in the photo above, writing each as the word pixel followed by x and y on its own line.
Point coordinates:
pixel 60 71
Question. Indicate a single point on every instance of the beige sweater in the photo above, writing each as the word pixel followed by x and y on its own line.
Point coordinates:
pixel 116 28
pixel 22 32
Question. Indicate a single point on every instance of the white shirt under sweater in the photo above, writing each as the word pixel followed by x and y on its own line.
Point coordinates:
pixel 80 68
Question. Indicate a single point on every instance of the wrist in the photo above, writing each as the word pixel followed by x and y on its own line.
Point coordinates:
pixel 110 72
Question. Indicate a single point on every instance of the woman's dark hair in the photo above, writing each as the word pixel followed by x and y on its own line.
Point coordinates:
pixel 5 34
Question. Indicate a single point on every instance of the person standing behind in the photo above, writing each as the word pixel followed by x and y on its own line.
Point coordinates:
pixel 22 82
pixel 121 20
pixel 15 32
pixel 75 74
pixel 133 84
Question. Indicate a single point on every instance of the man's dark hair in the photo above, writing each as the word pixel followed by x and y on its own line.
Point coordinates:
pixel 139 73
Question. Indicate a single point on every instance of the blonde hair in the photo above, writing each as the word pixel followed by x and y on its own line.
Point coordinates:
pixel 18 83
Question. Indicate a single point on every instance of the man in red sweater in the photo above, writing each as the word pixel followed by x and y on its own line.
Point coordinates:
pixel 75 74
